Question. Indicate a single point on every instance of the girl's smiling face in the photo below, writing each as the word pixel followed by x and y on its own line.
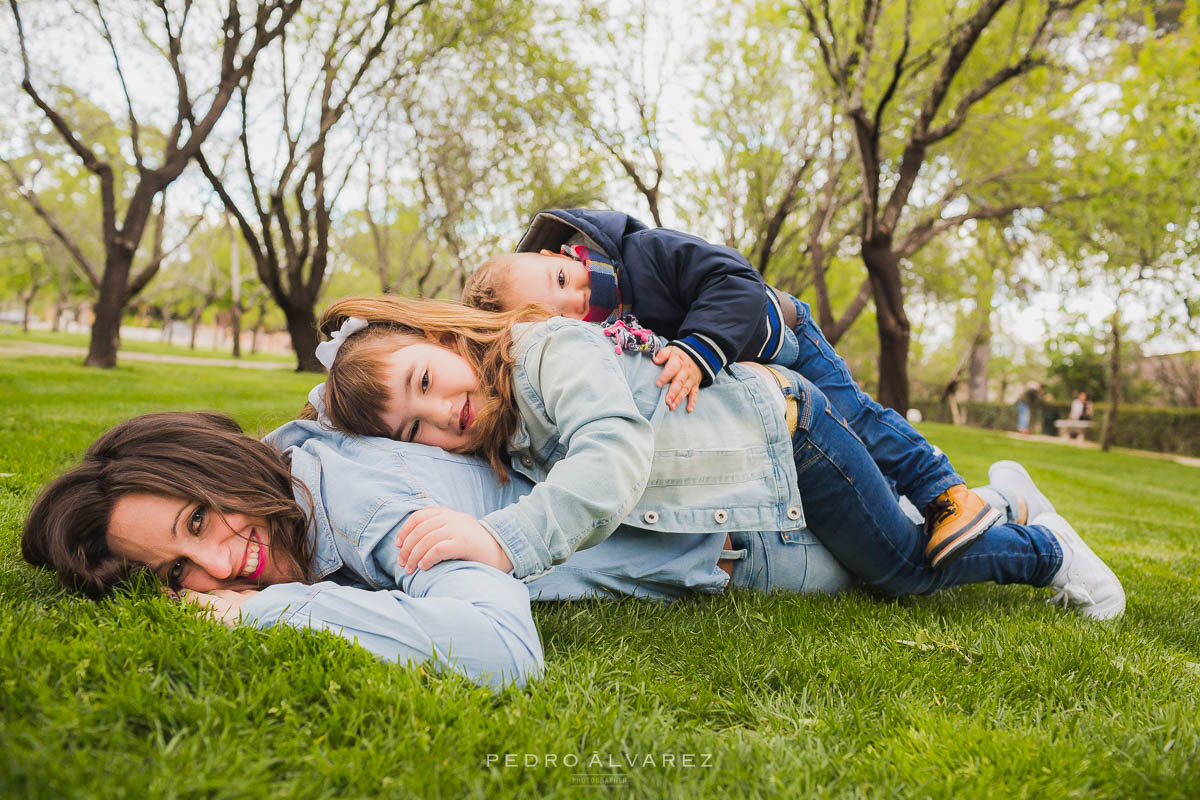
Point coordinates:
pixel 433 396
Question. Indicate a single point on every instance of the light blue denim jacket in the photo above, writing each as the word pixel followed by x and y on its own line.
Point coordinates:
pixel 463 616
pixel 597 439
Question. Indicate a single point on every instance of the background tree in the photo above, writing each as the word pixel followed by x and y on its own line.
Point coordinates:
pixel 284 195
pixel 908 79
pixel 1139 244
pixel 242 37
pixel 782 189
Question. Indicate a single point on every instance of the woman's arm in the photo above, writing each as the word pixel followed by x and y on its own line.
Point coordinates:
pixel 572 384
pixel 462 616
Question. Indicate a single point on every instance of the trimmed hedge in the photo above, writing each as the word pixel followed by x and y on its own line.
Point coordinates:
pixel 1165 430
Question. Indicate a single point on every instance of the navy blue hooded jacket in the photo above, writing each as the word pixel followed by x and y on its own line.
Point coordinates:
pixel 704 297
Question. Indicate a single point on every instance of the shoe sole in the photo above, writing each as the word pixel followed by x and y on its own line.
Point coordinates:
pixel 1036 503
pixel 950 550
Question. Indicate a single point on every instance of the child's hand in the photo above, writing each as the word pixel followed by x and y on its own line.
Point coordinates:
pixel 682 373
pixel 434 534
pixel 219 605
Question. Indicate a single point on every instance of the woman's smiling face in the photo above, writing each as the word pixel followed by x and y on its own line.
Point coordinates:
pixel 190 546
pixel 433 396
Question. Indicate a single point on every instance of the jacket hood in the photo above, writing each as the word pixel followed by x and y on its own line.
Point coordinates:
pixel 550 229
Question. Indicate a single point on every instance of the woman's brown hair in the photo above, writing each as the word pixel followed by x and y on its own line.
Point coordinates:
pixel 356 392
pixel 198 456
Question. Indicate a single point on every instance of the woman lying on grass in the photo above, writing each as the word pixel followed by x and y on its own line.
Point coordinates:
pixel 552 400
pixel 217 516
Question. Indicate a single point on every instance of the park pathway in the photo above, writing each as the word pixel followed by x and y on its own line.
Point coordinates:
pixel 42 349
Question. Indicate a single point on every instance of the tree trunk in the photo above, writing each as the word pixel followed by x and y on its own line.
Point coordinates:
pixel 883 266
pixel 235 329
pixel 258 327
pixel 235 288
pixel 195 327
pixel 981 353
pixel 1114 382
pixel 56 318
pixel 302 327
pixel 109 307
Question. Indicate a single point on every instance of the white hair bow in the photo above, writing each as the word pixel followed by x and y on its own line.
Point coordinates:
pixel 327 351
pixel 316 396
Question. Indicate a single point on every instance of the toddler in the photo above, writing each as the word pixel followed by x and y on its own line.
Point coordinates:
pixel 714 307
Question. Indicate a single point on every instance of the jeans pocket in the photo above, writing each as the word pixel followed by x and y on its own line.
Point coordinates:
pixel 789 562
pixel 806 456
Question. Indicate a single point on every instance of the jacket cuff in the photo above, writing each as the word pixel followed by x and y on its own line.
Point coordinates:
pixel 528 557
pixel 278 603
pixel 705 352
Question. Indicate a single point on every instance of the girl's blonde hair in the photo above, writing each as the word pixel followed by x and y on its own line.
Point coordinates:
pixel 486 284
pixel 356 391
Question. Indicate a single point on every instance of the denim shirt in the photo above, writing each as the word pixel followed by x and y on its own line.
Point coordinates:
pixel 598 441
pixel 464 616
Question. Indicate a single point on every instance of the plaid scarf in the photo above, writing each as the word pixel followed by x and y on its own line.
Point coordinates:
pixel 605 301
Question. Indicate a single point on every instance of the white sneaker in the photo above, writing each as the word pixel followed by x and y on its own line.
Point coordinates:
pixel 1013 478
pixel 1083 581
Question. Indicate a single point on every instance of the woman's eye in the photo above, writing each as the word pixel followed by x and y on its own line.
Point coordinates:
pixel 412 432
pixel 196 521
pixel 562 279
pixel 175 574
pixel 425 381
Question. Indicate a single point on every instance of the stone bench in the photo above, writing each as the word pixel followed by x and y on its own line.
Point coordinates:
pixel 1072 428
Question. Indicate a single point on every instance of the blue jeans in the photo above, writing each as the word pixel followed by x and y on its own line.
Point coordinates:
pixel 1023 417
pixel 904 456
pixel 850 508
pixel 767 561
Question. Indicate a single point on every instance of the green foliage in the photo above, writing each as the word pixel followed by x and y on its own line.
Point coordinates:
pixel 982 691
pixel 1079 362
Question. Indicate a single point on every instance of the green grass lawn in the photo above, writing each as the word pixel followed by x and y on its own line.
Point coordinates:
pixel 13 333
pixel 982 691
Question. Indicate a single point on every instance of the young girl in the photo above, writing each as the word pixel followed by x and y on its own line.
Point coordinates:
pixel 715 309
pixel 552 399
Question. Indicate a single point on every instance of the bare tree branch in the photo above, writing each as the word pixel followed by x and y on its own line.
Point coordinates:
pixel 134 136
pixel 897 71
pixel 928 229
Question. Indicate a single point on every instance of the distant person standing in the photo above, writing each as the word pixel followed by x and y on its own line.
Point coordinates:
pixel 1027 403
pixel 1049 412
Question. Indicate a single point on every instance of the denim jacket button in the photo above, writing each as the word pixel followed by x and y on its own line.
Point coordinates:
pixel 793 513
pixel 650 517
pixel 527 461
pixel 721 515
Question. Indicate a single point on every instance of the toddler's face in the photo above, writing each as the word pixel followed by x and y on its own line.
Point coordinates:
pixel 434 395
pixel 558 283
